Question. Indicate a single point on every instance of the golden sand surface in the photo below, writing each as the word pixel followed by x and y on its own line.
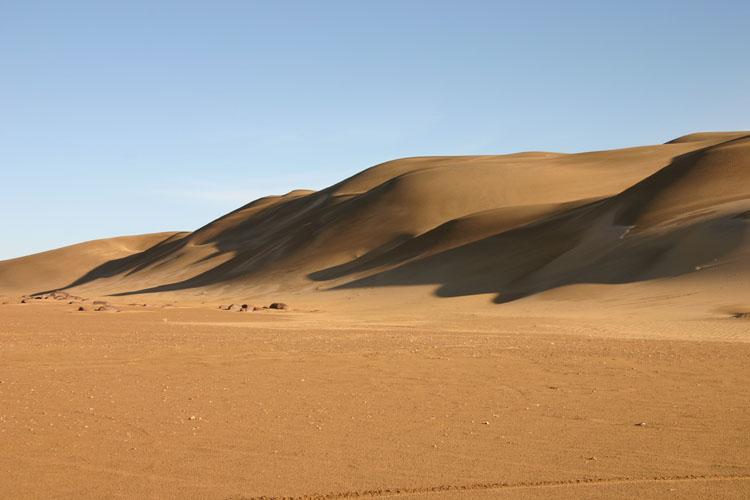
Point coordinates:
pixel 196 402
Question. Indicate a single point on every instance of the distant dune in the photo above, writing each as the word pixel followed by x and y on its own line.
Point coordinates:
pixel 513 226
pixel 57 269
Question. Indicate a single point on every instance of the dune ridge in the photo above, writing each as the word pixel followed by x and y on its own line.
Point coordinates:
pixel 510 225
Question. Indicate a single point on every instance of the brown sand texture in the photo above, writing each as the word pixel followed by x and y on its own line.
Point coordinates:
pixel 532 325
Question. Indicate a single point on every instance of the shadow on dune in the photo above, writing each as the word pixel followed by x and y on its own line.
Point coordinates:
pixel 531 259
pixel 248 240
pixel 128 265
pixel 629 237
pixel 518 264
pixel 664 226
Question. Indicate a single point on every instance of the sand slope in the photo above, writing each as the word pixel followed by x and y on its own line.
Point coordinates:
pixel 511 225
pixel 59 268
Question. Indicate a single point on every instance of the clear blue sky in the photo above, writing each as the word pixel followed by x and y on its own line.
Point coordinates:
pixel 138 116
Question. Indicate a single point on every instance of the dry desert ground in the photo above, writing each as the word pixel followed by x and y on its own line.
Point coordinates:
pixel 536 325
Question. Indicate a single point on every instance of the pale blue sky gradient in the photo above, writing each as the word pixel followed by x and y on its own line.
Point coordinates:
pixel 139 116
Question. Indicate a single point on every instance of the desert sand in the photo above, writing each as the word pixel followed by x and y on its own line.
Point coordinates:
pixel 532 325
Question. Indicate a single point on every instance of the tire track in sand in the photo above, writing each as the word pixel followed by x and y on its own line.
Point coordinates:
pixel 402 491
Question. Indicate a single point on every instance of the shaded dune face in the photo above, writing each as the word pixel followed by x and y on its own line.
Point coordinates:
pixel 511 225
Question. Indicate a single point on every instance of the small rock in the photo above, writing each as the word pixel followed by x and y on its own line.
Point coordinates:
pixel 106 308
pixel 279 305
pixel 81 308
pixel 641 424
pixel 191 417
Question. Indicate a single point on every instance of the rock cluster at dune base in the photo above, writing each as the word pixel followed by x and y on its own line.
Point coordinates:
pixel 55 295
pixel 279 306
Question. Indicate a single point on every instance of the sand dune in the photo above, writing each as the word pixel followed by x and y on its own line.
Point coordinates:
pixel 511 226
pixel 690 214
pixel 56 269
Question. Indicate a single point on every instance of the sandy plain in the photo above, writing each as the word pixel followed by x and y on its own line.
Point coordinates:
pixel 196 402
